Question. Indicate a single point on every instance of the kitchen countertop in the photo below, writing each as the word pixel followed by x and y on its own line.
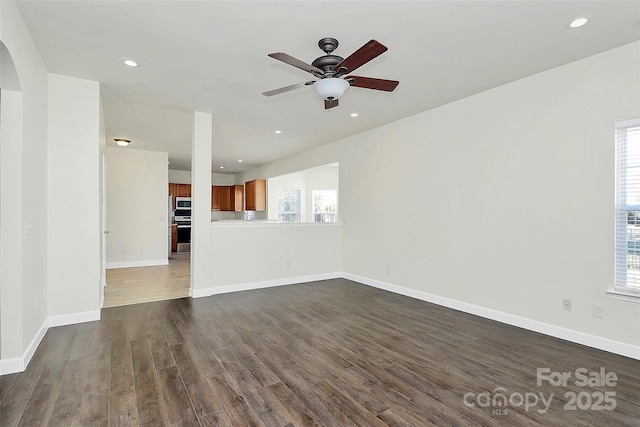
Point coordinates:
pixel 269 223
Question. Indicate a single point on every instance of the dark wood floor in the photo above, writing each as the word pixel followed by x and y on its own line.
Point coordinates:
pixel 331 353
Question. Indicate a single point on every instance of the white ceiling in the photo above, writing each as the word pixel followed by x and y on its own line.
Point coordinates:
pixel 211 56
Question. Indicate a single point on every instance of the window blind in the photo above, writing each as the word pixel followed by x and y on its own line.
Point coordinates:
pixel 627 246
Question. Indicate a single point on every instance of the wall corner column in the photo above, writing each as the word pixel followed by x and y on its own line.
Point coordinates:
pixel 202 139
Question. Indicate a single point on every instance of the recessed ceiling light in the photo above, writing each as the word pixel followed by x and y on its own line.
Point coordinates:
pixel 578 22
pixel 354 114
pixel 278 132
pixel 122 142
pixel 129 62
pixel 221 167
pixel 240 160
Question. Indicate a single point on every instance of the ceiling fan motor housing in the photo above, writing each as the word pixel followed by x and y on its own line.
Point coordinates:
pixel 327 63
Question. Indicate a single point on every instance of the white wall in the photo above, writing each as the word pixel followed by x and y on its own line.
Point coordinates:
pixel 137 207
pixel 184 177
pixel 179 177
pixel 11 223
pixel 503 200
pixel 74 196
pixel 247 255
pixel 201 144
pixel 31 174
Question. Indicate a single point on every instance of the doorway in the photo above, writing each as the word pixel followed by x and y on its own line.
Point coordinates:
pixel 135 285
pixel 138 223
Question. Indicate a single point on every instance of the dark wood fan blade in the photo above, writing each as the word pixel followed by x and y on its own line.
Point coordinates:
pixel 360 57
pixel 330 103
pixel 371 83
pixel 288 59
pixel 288 88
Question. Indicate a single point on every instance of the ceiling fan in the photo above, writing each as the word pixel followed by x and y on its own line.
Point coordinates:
pixel 330 69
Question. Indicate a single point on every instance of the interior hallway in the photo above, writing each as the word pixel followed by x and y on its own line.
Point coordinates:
pixel 136 285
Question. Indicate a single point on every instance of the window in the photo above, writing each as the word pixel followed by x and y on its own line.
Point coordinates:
pixel 627 256
pixel 288 204
pixel 291 197
pixel 325 205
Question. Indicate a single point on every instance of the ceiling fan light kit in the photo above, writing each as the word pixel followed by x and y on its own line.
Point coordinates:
pixel 330 69
pixel 331 87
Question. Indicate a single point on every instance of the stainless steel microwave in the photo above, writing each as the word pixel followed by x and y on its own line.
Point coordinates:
pixel 183 203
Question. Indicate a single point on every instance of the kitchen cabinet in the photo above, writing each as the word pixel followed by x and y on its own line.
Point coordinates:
pixel 237 193
pixel 226 198
pixel 183 190
pixel 178 190
pixel 174 238
pixel 255 195
pixel 215 198
pixel 172 193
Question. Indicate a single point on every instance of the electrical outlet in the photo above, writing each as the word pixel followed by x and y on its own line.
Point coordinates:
pixel 597 310
pixel 566 304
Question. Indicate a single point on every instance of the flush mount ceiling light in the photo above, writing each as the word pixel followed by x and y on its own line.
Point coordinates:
pixel 122 142
pixel 129 62
pixel 278 131
pixel 578 22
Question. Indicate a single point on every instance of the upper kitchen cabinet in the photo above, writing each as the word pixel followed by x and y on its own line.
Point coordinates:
pixel 178 190
pixel 226 198
pixel 215 198
pixel 183 190
pixel 255 195
pixel 237 193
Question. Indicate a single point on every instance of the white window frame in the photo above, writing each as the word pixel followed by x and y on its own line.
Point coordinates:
pixel 313 203
pixel 299 213
pixel 627 282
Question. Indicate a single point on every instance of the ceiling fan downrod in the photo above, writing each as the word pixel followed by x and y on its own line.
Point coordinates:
pixel 328 61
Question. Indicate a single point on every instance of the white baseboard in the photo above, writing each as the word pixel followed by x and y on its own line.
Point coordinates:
pixel 19 364
pixel 205 292
pixel 578 337
pixel 73 318
pixel 11 366
pixel 145 263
